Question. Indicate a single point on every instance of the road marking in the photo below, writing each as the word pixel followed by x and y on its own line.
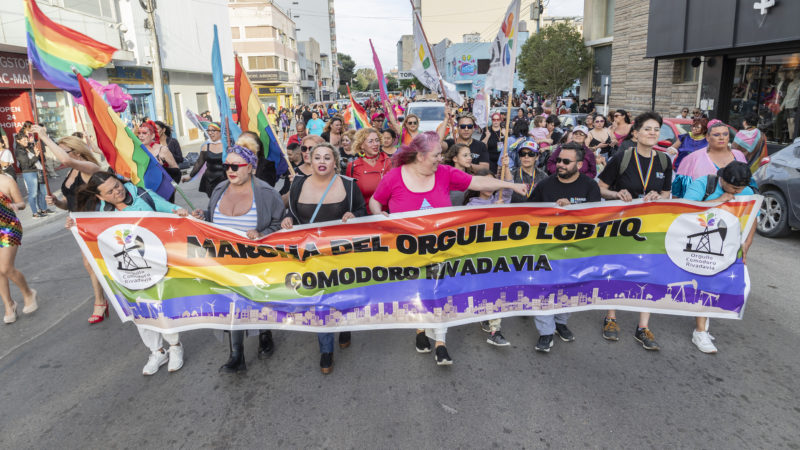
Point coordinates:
pixel 12 349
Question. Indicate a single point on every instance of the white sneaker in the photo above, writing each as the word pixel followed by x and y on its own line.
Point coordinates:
pixel 703 341
pixel 175 358
pixel 156 360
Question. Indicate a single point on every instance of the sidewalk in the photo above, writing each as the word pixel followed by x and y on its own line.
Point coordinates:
pixel 26 215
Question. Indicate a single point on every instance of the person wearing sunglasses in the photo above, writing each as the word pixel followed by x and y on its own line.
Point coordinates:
pixel 418 181
pixel 251 206
pixel 492 135
pixel 638 172
pixel 211 156
pixel 465 126
pixel 408 130
pixel 684 114
pixel 568 186
pixel 325 196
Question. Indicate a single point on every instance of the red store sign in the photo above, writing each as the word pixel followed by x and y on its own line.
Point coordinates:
pixel 14 73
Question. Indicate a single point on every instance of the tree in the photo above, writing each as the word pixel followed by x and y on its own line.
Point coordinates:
pixel 406 84
pixel 363 78
pixel 346 67
pixel 391 83
pixel 551 60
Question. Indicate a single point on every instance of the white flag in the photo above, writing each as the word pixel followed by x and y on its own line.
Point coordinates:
pixel 479 109
pixel 504 51
pixel 425 70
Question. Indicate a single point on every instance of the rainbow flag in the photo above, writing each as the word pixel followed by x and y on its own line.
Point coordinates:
pixel 125 153
pixel 355 114
pixel 55 50
pixel 252 117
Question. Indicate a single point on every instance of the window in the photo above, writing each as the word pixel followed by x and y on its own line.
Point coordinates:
pixel 666 134
pixel 262 62
pixel 285 64
pixel 609 22
pixel 294 67
pixel 202 102
pixel 684 72
pixel 235 32
pixel 99 8
pixel 483 66
pixel 258 32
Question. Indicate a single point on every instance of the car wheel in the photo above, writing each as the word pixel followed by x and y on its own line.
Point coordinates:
pixel 773 221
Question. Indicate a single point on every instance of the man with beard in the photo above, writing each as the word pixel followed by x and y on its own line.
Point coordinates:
pixel 566 187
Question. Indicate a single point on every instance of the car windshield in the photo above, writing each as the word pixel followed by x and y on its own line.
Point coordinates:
pixel 683 128
pixel 427 113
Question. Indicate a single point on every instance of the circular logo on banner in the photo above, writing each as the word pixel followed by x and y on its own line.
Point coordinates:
pixel 135 257
pixel 704 243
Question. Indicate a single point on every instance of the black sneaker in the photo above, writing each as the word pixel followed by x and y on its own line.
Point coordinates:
pixel 497 339
pixel 423 343
pixel 545 343
pixel 344 339
pixel 564 333
pixel 38 215
pixel 442 357
pixel 485 326
pixel 610 329
pixel 265 344
pixel 49 211
pixel 645 336
pixel 326 363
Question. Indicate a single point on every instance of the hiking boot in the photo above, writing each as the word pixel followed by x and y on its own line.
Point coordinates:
pixel 645 336
pixel 610 329
pixel 564 333
pixel 497 339
pixel 545 343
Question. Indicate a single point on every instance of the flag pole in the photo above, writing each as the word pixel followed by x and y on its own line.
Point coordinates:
pixel 180 191
pixel 269 124
pixel 36 119
pixel 508 110
pixel 430 52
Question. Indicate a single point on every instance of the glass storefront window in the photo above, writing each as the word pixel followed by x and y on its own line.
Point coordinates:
pixel 602 66
pixel 53 111
pixel 769 87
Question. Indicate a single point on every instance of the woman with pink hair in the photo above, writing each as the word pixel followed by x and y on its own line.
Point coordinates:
pixel 419 181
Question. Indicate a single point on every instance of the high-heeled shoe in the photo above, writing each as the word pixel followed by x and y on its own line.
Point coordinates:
pixel 13 317
pixel 95 318
pixel 33 306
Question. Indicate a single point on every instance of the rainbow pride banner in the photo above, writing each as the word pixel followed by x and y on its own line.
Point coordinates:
pixel 437 267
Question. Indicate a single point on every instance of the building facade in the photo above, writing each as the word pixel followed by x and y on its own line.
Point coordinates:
pixel 265 39
pixel 186 65
pixel 405 52
pixel 310 66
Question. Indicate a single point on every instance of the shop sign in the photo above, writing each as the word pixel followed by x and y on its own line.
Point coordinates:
pixel 271 90
pixel 14 73
pixel 15 108
pixel 133 75
pixel 274 75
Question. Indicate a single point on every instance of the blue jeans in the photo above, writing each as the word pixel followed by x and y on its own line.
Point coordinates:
pixel 325 342
pixel 36 192
pixel 546 325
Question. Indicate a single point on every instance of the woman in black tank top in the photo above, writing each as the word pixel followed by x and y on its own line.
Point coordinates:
pixel 75 154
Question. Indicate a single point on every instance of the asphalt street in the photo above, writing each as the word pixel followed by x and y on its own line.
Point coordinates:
pixel 66 384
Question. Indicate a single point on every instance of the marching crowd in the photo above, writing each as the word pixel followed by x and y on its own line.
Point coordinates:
pixel 387 168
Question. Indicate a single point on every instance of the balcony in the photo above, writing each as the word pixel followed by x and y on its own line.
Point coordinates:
pixel 308 84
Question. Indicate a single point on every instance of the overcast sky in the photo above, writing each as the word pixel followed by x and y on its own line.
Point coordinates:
pixel 384 21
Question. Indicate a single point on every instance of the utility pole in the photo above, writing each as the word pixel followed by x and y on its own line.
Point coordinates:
pixel 149 7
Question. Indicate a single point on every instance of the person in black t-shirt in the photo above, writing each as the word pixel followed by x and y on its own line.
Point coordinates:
pixel 492 135
pixel 480 153
pixel 638 172
pixel 567 186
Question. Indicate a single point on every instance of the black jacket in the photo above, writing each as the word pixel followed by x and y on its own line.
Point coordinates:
pixel 26 164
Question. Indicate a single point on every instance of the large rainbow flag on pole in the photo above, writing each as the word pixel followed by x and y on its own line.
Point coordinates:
pixel 124 152
pixel 355 114
pixel 56 50
pixel 252 117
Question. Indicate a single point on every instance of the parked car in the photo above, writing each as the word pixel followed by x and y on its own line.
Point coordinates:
pixel 570 120
pixel 778 181
pixel 672 128
pixel 430 114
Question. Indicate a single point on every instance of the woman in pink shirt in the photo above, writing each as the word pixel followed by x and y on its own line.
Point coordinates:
pixel 418 181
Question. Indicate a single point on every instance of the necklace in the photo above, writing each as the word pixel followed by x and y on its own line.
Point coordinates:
pixel 645 181
pixel 533 181
pixel 372 157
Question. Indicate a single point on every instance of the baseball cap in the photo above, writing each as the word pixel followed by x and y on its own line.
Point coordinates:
pixel 736 173
pixel 378 116
pixel 529 144
pixel 581 128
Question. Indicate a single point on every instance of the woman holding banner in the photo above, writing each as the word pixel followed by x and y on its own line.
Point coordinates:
pixel 211 157
pixel 75 154
pixel 418 181
pixel 105 192
pixel 250 205
pixel 321 197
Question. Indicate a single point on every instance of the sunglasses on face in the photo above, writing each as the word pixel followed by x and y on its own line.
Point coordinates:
pixel 232 167
pixel 466 127
pixel 411 123
pixel 304 148
pixel 523 154
pixel 564 161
